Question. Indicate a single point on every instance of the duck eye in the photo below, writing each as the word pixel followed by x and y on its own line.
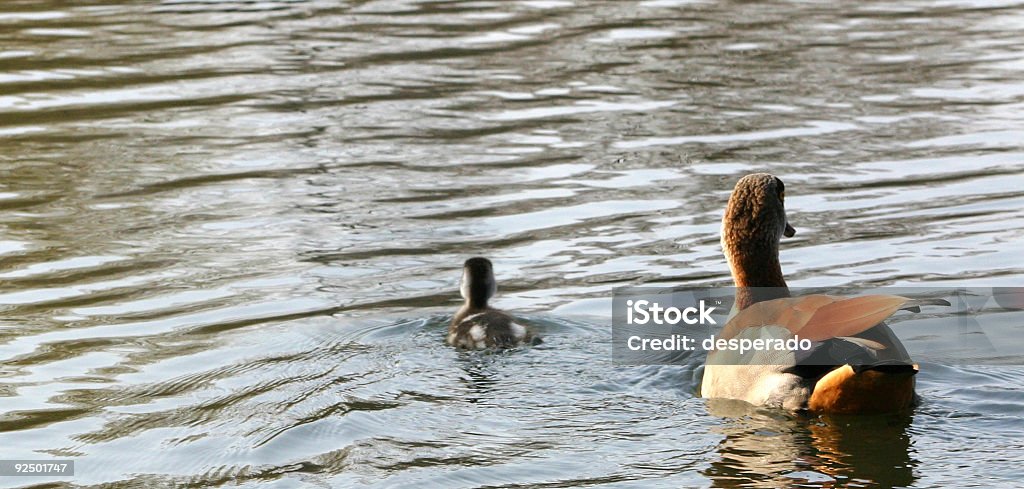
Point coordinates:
pixel 782 195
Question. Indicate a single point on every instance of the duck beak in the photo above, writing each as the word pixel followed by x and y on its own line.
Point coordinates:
pixel 789 232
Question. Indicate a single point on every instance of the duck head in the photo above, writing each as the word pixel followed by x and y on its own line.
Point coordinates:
pixel 753 224
pixel 478 284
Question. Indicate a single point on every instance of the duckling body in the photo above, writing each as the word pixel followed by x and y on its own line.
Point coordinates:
pixel 476 325
pixel 855 365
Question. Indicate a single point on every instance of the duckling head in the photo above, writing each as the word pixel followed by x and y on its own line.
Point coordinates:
pixel 753 224
pixel 478 284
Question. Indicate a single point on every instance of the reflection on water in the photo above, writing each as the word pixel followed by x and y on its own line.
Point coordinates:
pixel 762 448
pixel 230 232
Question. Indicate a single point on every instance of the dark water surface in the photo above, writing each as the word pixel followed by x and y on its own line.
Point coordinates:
pixel 230 232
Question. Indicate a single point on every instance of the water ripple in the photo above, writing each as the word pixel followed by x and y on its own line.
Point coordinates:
pixel 232 232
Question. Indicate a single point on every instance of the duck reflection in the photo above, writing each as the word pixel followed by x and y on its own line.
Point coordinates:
pixel 770 448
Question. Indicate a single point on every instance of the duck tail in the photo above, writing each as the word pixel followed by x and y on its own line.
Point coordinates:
pixel 914 305
pixel 892 368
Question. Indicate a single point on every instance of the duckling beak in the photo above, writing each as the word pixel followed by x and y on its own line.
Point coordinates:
pixel 789 232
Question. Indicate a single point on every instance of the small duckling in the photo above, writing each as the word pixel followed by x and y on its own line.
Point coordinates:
pixel 476 325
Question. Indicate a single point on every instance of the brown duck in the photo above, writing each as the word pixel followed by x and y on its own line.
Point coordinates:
pixel 477 325
pixel 855 365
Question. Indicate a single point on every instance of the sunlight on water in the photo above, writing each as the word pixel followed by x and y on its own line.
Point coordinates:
pixel 232 233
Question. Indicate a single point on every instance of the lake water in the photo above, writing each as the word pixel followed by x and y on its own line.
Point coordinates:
pixel 231 233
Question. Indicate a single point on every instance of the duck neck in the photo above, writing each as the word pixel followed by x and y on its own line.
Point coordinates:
pixel 758 277
pixel 468 308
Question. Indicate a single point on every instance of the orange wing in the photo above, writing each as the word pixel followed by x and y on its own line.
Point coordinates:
pixel 821 317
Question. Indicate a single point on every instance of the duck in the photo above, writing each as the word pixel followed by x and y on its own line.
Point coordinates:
pixel 855 363
pixel 477 325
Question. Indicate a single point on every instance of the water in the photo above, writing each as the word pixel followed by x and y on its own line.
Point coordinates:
pixel 231 232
